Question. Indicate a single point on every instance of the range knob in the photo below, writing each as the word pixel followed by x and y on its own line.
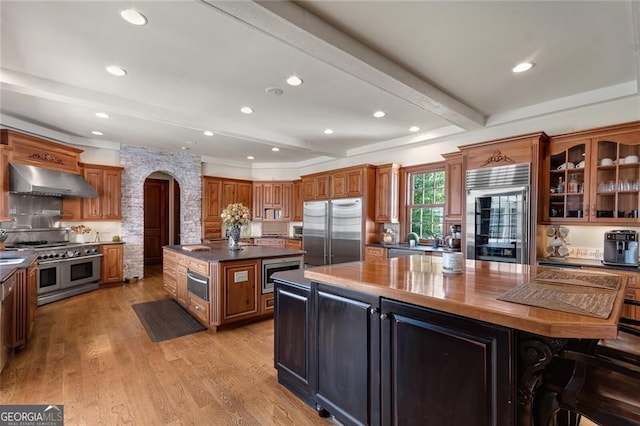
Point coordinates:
pixel 41 256
pixel 56 255
pixel 87 251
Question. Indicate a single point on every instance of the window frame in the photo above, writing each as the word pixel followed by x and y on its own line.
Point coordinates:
pixel 406 190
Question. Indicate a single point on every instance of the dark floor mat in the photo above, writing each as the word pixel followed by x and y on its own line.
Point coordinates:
pixel 166 319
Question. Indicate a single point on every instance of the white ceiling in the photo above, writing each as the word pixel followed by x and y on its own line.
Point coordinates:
pixel 443 66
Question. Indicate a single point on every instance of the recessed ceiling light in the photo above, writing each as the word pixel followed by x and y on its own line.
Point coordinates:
pixel 116 70
pixel 275 149
pixel 246 110
pixel 134 17
pixel 208 133
pixel 379 114
pixel 185 148
pixel 97 133
pixel 328 131
pixel 294 80
pixel 522 67
pixel 414 128
pixel 102 115
pixel 250 157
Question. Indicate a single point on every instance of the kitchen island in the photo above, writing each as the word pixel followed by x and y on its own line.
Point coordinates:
pixel 219 286
pixel 397 341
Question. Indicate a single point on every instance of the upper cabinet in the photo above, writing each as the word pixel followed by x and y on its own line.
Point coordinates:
pixel 4 183
pixel 297 201
pixel 387 187
pixel 593 176
pixel 107 180
pixel 315 187
pixel 342 183
pixel 454 187
pixel 272 200
pixel 39 152
pixel 217 194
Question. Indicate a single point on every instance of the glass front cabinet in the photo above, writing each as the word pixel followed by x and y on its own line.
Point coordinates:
pixel 593 176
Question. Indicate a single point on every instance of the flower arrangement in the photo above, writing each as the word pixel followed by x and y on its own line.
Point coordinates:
pixel 236 215
pixel 81 229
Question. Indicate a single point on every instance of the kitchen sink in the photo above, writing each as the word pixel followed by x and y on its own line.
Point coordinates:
pixel 12 261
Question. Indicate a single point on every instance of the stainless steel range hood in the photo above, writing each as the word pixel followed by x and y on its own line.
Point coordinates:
pixel 24 179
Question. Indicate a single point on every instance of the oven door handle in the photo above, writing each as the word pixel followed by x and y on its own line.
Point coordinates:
pixel 196 279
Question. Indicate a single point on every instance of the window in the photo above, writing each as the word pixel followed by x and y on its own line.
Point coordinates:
pixel 426 204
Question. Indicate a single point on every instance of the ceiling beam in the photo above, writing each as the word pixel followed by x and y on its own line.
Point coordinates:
pixel 304 31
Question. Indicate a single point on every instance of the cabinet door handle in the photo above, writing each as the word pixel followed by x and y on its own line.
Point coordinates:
pixel 197 308
pixel 383 317
pixel 373 311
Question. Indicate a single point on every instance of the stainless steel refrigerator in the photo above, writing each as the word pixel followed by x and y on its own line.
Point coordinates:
pixel 332 231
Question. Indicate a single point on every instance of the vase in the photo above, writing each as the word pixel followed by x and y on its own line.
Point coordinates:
pixel 234 238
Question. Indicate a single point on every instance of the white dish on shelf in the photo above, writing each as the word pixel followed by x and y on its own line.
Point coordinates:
pixel 563 251
pixel 606 162
pixel 630 159
pixel 566 166
pixel 580 165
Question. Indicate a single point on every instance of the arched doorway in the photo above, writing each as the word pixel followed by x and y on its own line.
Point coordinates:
pixel 161 215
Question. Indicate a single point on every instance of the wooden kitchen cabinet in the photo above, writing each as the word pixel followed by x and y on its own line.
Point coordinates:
pixel 374 253
pixel 347 323
pixel 217 194
pixel 348 183
pixel 35 151
pixel 316 187
pixel 198 307
pixel 418 346
pixel 241 282
pixel 588 180
pixel 107 181
pixel 24 305
pixel 112 263
pixel 298 206
pixel 170 272
pixel 293 356
pixel 293 244
pixel 387 187
pixel 273 200
pixel 454 187
pixel 4 183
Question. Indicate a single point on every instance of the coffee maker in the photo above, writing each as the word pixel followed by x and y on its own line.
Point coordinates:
pixel 621 248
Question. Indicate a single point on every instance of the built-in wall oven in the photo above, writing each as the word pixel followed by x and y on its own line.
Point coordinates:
pixel 497 217
pixel 271 266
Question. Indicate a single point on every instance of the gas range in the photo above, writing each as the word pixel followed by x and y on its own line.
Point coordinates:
pixel 52 251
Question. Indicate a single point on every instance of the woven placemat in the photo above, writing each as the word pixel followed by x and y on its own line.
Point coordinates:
pixel 611 282
pixel 574 300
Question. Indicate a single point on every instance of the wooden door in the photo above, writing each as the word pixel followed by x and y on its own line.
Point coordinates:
pixel 156 219
pixel 176 212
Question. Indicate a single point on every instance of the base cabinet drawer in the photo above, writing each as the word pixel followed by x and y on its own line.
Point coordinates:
pixel 199 308
pixel 267 303
pixel 372 253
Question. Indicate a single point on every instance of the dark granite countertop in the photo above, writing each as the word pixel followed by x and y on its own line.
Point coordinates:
pixel 29 257
pixel 572 262
pixel 220 252
pixel 420 248
pixel 293 277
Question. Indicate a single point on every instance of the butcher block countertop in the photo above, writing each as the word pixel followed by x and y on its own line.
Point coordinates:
pixel 220 252
pixel 419 280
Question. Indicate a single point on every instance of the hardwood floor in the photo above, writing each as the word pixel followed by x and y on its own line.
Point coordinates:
pixel 92 354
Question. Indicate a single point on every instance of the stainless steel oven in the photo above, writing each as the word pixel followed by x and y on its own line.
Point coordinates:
pixel 198 285
pixel 48 277
pixel 497 217
pixel 78 271
pixel 271 266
